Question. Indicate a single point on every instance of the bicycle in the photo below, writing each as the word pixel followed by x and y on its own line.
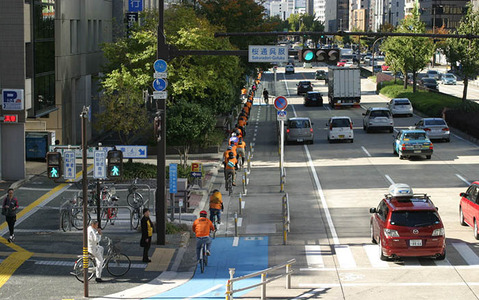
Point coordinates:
pixel 136 216
pixel 117 263
pixel 229 184
pixel 203 257
pixel 134 198
pixel 215 224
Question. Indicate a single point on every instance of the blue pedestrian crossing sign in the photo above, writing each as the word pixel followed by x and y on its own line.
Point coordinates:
pixel 173 178
pixel 160 66
pixel 69 164
pixel 160 84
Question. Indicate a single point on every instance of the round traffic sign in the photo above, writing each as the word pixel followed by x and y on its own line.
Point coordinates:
pixel 160 84
pixel 160 65
pixel 280 103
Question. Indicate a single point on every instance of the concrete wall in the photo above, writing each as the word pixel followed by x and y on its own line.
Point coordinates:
pixel 12 75
pixel 80 28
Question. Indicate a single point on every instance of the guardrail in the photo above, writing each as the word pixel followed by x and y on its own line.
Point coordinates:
pixel 286 218
pixel 264 280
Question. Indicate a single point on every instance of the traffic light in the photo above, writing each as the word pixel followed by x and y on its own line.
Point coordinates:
pixel 115 163
pixel 329 56
pixel 54 165
pixel 157 127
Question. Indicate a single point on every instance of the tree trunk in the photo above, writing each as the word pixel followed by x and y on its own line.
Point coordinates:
pixel 464 91
pixel 405 79
pixel 414 81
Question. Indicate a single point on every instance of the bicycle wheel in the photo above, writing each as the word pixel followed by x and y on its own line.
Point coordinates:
pixel 77 219
pixel 134 199
pixel 65 221
pixel 205 256
pixel 135 219
pixel 118 265
pixel 105 217
pixel 230 184
pixel 78 269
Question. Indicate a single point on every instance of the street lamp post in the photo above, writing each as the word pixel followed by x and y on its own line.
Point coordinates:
pixel 372 56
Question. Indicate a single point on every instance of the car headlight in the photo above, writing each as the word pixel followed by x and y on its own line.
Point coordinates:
pixel 438 232
pixel 390 233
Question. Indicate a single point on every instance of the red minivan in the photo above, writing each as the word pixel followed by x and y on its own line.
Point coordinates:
pixel 406 224
pixel 469 208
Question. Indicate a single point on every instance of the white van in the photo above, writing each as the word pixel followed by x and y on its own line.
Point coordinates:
pixel 340 128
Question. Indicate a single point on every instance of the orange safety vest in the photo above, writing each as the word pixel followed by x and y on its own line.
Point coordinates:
pixel 230 163
pixel 216 200
pixel 241 144
pixel 242 122
pixel 202 227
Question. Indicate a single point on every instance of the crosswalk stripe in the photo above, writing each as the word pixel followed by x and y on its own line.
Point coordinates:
pixel 469 256
pixel 344 256
pixel 373 254
pixel 313 256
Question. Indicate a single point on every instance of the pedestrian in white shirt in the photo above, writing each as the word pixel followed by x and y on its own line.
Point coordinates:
pixel 94 237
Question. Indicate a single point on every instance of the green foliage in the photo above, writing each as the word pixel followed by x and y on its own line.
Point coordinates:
pixel 405 53
pixel 172 228
pixel 132 170
pixel 466 51
pixel 430 103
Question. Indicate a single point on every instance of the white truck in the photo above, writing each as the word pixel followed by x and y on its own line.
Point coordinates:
pixel 344 86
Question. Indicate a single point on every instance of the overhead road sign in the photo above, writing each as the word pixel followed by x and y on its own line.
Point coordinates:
pixel 280 103
pixel 133 151
pixel 265 53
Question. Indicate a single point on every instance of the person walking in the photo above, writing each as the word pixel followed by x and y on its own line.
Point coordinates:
pixel 146 234
pixel 94 237
pixel 9 209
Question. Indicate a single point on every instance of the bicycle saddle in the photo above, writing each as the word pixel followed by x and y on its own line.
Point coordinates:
pixel 114 198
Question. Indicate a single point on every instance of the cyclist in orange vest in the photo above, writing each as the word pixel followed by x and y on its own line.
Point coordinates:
pixel 231 165
pixel 201 228
pixel 216 205
pixel 240 149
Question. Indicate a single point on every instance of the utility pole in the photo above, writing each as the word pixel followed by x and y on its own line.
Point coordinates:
pixel 160 204
pixel 84 116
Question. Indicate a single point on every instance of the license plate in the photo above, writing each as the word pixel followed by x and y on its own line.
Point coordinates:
pixel 299 140
pixel 341 136
pixel 417 151
pixel 415 243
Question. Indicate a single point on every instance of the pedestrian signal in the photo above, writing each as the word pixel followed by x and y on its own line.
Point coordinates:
pixel 54 165
pixel 115 163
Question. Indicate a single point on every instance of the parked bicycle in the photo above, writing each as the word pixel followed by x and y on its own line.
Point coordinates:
pixel 117 263
pixel 136 216
pixel 134 198
pixel 109 211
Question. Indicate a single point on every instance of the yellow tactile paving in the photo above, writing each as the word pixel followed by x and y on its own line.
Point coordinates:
pixel 160 260
pixel 11 264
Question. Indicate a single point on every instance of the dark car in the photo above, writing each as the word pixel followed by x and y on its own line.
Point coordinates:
pixel 313 98
pixel 304 86
pixel 429 83
pixel 321 75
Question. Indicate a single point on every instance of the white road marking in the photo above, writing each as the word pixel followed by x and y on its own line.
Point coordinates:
pixel 236 241
pixel 205 291
pixel 286 84
pixel 383 284
pixel 294 110
pixel 344 256
pixel 313 256
pixel 464 140
pixel 334 235
pixel 366 151
pixel 469 256
pixel 463 179
pixel 373 254
pixel 389 179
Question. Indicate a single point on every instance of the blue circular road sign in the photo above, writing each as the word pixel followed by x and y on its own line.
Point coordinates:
pixel 160 65
pixel 160 84
pixel 280 103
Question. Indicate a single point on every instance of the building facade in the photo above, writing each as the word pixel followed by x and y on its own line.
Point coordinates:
pixel 336 15
pixel 438 13
pixel 319 9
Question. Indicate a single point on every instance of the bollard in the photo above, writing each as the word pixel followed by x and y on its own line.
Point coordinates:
pixel 229 285
pixel 236 224
pixel 263 286
pixel 249 163
pixel 288 276
pixel 244 185
pixel 246 177
pixel 240 204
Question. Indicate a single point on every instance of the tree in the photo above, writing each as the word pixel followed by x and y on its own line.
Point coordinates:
pixel 409 54
pixel 466 51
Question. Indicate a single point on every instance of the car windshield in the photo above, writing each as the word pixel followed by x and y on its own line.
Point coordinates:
pixel 449 76
pixel 432 72
pixel 380 113
pixel 313 95
pixel 434 122
pixel 414 218
pixel 415 136
pixel 340 123
pixel 299 124
pixel 429 80
pixel 304 83
pixel 402 102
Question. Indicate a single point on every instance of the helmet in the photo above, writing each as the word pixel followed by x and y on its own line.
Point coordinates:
pixel 215 191
pixel 231 155
pixel 237 131
pixel 229 147
pixel 233 134
pixel 203 213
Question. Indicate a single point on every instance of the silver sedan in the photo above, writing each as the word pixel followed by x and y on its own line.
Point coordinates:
pixel 435 128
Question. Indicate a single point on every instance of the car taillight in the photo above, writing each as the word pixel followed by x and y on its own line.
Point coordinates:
pixel 287 130
pixel 431 146
pixel 438 232
pixel 445 129
pixel 427 129
pixel 403 147
pixel 390 233
pixel 311 130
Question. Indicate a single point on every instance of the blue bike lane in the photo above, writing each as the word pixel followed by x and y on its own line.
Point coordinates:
pixel 248 256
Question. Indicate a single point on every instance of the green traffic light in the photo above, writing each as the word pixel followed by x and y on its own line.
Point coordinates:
pixel 308 56
pixel 115 171
pixel 54 173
